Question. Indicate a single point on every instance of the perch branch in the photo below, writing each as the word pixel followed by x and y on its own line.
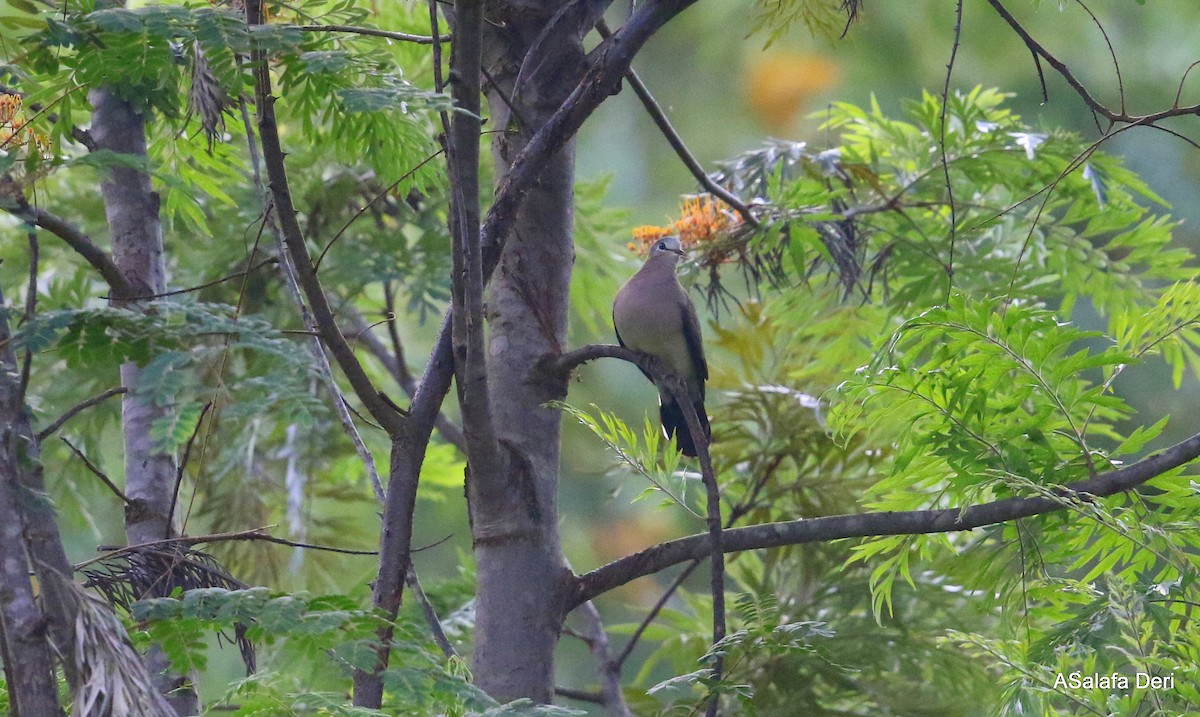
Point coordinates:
pixel 916 522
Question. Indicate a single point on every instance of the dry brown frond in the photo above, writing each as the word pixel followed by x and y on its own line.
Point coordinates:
pixel 113 681
pixel 138 573
pixel 207 98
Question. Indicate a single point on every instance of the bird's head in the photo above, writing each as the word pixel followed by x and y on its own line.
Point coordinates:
pixel 668 246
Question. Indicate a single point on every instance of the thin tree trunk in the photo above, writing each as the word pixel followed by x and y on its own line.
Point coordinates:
pixel 521 576
pixel 28 659
pixel 132 210
pixel 28 662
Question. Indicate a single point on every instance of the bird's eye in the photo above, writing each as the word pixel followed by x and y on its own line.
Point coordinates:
pixel 662 245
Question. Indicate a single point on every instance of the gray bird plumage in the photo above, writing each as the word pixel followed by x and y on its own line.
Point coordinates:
pixel 653 314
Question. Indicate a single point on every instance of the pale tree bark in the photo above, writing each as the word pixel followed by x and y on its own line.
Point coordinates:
pixel 521 577
pixel 132 210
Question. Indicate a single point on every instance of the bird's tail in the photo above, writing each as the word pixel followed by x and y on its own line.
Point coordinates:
pixel 675 425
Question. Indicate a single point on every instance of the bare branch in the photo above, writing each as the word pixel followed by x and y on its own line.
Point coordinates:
pixel 199 287
pixel 78 241
pixel 610 670
pixel 75 410
pixel 95 470
pixel 258 534
pixel 373 32
pixel 467 277
pixel 672 136
pixel 958 16
pixel 431 618
pixel 1061 68
pixel 916 522
pixel 268 132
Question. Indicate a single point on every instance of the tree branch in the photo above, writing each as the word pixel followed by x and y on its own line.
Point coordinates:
pixel 373 32
pixel 268 132
pixel 1061 68
pixel 672 136
pixel 74 410
pixel 613 698
pixel 78 241
pixel 95 470
pixel 916 522
pixel 467 278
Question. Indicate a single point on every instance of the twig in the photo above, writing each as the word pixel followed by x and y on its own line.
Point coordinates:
pixel 1092 103
pixel 97 472
pixel 654 611
pixel 610 669
pixel 179 469
pixel 672 136
pixel 199 287
pixel 958 17
pixel 365 207
pixel 715 530
pixel 75 410
pixel 251 534
pixel 30 310
pixel 1111 52
pixel 372 32
pixel 431 618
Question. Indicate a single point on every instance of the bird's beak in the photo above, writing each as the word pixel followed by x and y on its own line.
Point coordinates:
pixel 680 252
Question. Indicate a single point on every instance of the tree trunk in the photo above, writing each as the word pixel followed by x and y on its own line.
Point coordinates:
pixel 28 534
pixel 132 210
pixel 521 575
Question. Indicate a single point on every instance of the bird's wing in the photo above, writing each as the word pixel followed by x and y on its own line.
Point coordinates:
pixel 695 343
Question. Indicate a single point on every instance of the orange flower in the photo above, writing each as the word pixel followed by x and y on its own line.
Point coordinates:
pixel 14 129
pixel 702 220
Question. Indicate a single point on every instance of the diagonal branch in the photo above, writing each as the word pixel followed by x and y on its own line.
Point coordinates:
pixel 268 130
pixel 1040 52
pixel 672 136
pixel 74 410
pixel 393 361
pixel 916 522
pixel 73 237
